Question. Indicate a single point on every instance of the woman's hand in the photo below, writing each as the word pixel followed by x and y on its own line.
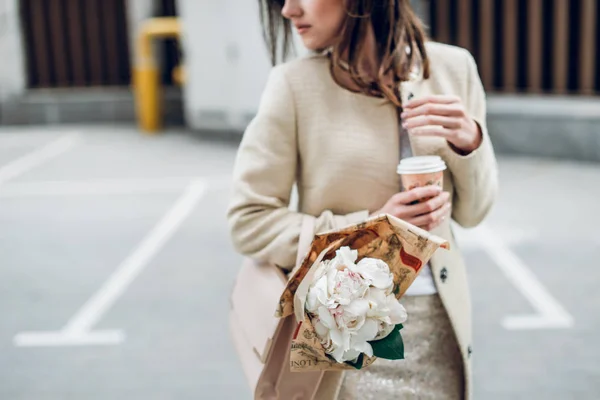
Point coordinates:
pixel 443 116
pixel 427 215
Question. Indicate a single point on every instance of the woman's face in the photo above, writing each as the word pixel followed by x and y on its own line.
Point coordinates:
pixel 318 22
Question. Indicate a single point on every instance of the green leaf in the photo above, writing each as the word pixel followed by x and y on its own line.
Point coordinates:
pixel 390 347
pixel 359 361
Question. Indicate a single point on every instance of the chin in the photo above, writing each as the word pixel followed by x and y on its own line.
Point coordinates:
pixel 313 45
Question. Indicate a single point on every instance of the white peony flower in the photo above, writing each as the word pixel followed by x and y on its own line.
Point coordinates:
pixel 352 304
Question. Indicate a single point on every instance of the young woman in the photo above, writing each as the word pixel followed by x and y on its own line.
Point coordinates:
pixel 336 124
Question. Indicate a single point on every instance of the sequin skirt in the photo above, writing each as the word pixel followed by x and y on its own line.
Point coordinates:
pixel 432 368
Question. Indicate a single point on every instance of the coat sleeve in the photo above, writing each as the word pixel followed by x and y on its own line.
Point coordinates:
pixel 266 167
pixel 475 176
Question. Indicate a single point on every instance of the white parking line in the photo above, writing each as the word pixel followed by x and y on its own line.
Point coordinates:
pixel 468 238
pixel 93 188
pixel 107 187
pixel 78 332
pixel 550 313
pixel 37 157
pixel 11 143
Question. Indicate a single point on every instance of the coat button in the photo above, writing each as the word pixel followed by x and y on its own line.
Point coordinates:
pixel 469 351
pixel 444 274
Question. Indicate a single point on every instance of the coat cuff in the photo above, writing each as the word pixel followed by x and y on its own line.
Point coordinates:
pixel 457 162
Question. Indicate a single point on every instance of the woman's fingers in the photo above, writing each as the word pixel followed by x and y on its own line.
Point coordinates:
pixel 445 117
pixel 435 98
pixel 429 206
pixel 449 110
pixel 416 194
pixel 440 221
pixel 426 120
pixel 432 218
pixel 439 131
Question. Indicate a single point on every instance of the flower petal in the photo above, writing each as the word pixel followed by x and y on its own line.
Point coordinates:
pixel 336 337
pixel 326 318
pixel 352 354
pixel 347 255
pixel 346 336
pixel 368 331
pixel 384 330
pixel 317 295
pixel 331 281
pixel 321 270
pixel 320 328
pixel 363 347
pixel 358 307
pixel 398 314
pixel 377 303
pixel 376 271
pixel 338 354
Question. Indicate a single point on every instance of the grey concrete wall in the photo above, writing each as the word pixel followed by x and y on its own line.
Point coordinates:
pixel 83 105
pixel 12 66
pixel 226 60
pixel 554 127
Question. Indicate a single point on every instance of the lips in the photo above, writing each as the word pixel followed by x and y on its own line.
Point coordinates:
pixel 302 28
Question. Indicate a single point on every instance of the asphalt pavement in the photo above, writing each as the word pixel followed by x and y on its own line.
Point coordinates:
pixel 115 271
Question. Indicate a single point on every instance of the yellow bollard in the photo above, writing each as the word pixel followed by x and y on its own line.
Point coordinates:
pixel 146 81
pixel 147 98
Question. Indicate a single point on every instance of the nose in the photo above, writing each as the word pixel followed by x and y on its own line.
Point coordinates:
pixel 291 9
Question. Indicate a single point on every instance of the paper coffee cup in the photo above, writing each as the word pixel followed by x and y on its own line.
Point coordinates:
pixel 421 171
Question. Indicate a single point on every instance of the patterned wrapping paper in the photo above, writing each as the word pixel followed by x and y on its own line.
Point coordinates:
pixel 404 247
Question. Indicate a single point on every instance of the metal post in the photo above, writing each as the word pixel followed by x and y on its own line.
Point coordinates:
pixel 146 81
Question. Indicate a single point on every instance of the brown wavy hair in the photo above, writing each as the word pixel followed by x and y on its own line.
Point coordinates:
pixel 395 25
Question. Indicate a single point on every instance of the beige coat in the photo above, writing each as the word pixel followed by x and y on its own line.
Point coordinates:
pixel 341 149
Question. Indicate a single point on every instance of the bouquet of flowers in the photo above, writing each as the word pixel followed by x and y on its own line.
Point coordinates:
pixel 353 308
pixel 345 294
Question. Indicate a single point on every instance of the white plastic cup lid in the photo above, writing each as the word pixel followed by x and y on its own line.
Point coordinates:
pixel 421 165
